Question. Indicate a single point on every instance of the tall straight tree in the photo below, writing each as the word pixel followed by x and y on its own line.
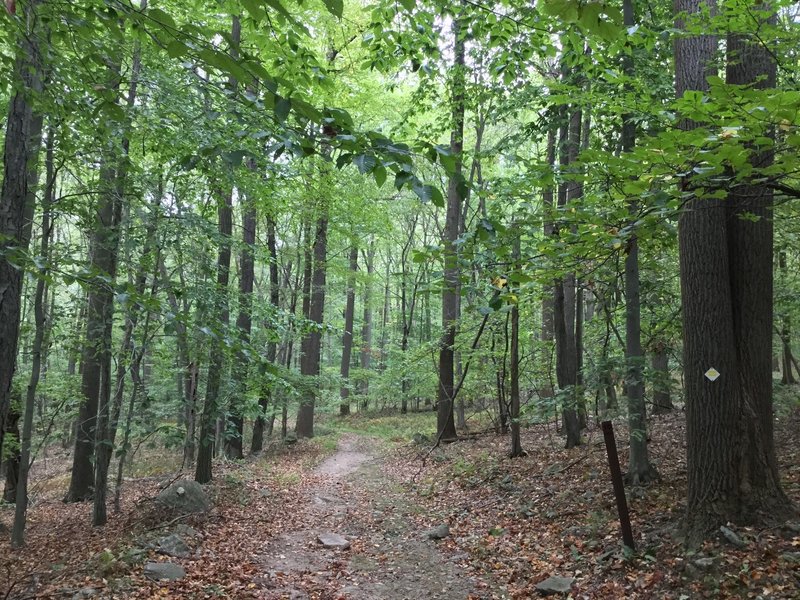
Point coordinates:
pixel 106 425
pixel 244 323
pixel 216 361
pixel 564 289
pixel 312 341
pixel 21 501
pixel 347 336
pixel 257 443
pixel 445 422
pixel 17 197
pixel 639 468
pixel 104 246
pixel 726 290
pixel 366 327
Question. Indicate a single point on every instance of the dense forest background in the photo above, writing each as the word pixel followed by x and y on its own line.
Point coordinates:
pixel 225 221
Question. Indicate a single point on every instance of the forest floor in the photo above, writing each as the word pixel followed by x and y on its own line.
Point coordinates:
pixel 512 524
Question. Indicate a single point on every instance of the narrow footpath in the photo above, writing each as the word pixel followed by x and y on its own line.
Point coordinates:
pixel 359 540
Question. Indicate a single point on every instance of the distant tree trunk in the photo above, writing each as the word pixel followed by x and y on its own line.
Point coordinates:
pixel 309 362
pixel 662 399
pixel 387 309
pixel 366 328
pixel 347 337
pixel 639 468
pixel 23 132
pixel 445 422
pixel 726 290
pixel 564 298
pixel 516 441
pixel 787 358
pixel 216 360
pixel 257 443
pixel 244 322
pixel 548 325
pixel 189 371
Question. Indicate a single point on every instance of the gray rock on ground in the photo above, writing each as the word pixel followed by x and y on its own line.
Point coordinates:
pixel 173 545
pixel 185 497
pixel 438 533
pixel 87 592
pixel 732 537
pixel 555 585
pixel 164 571
pixel 334 541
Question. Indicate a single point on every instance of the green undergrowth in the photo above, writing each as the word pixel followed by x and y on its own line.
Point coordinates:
pixel 393 426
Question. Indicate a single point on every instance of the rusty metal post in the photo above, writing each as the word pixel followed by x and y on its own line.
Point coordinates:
pixel 619 486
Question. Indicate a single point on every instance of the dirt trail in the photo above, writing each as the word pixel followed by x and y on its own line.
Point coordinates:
pixel 390 557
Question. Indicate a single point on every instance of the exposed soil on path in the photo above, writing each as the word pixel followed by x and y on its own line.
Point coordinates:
pixel 353 495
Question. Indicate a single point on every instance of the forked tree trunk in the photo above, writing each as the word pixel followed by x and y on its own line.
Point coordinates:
pixel 310 359
pixel 726 289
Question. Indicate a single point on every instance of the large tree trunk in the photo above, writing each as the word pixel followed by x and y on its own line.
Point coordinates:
pixel 445 422
pixel 726 288
pixel 309 363
pixel 564 298
pixel 17 197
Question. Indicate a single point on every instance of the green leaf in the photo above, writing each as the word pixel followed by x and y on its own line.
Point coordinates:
pixel 402 178
pixel 335 7
pixel 408 4
pixel 162 18
pixel 380 175
pixel 254 8
pixel 365 163
pixel 282 108
pixel 427 193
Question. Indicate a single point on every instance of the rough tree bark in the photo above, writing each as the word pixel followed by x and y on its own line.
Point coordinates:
pixel 726 289
pixel 17 196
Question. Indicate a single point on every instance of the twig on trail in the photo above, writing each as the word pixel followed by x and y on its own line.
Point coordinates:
pixel 170 522
pixel 563 469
